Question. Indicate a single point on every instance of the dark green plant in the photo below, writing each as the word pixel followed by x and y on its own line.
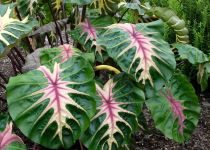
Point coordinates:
pixel 64 100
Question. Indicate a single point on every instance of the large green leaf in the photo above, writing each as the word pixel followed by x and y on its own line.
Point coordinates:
pixel 203 75
pixel 139 50
pixel 58 54
pixel 88 31
pixel 192 54
pixel 175 109
pixel 119 104
pixel 52 105
pixel 62 54
pixel 10 141
pixel 11 29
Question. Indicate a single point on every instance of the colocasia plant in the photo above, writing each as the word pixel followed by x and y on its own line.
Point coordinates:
pixel 70 97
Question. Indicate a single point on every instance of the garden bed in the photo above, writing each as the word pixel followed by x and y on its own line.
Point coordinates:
pixel 142 141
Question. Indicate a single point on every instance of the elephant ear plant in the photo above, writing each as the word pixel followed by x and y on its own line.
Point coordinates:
pixel 64 100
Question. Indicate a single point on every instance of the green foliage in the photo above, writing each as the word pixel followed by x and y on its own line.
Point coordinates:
pixel 195 14
pixel 63 100
pixel 56 102
pixel 175 109
pixel 12 30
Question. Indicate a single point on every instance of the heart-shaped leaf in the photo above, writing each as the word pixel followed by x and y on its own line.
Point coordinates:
pixel 9 141
pixel 52 105
pixel 11 29
pixel 139 50
pixel 175 109
pixel 119 104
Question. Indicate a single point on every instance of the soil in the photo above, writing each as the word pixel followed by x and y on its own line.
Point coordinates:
pixel 153 140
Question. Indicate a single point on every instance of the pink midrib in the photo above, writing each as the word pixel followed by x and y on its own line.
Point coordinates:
pixel 108 104
pixel 91 30
pixel 177 110
pixel 55 89
pixel 134 34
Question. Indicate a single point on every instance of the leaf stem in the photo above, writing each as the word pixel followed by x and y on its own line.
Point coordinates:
pixel 83 13
pixel 58 31
pixel 123 15
pixel 107 67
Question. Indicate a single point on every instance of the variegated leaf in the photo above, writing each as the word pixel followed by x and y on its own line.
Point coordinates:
pixel 9 141
pixel 52 105
pixel 60 54
pixel 119 104
pixel 88 31
pixel 11 29
pixel 139 50
pixel 175 109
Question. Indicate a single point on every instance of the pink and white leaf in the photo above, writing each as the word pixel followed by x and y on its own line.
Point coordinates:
pixel 88 29
pixel 57 92
pixel 144 50
pixel 66 53
pixel 7 137
pixel 111 108
pixel 177 109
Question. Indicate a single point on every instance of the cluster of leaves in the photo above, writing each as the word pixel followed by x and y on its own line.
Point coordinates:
pixel 196 14
pixel 63 100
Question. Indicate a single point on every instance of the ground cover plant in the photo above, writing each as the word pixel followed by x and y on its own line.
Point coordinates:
pixel 100 70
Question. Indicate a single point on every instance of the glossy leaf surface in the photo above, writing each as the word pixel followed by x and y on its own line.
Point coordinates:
pixel 52 105
pixel 88 31
pixel 59 54
pixel 139 50
pixel 119 104
pixel 11 29
pixel 175 109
